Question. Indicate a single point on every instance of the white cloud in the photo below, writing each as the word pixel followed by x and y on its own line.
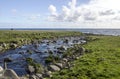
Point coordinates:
pixel 52 9
pixel 95 12
pixel 14 11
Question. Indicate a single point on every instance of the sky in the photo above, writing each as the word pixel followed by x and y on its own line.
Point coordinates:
pixel 59 14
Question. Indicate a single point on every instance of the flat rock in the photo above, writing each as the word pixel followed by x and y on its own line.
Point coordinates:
pixel 54 68
pixel 39 76
pixel 60 65
pixel 9 73
pixel 1 71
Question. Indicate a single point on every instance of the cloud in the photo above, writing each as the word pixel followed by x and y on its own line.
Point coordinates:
pixel 107 12
pixel 14 11
pixel 52 9
pixel 96 11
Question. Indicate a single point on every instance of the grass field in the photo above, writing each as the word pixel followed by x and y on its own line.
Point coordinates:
pixel 101 61
pixel 21 37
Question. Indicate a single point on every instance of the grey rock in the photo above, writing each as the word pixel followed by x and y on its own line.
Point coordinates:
pixel 65 59
pixel 1 48
pixel 13 45
pixel 60 65
pixel 82 50
pixel 47 74
pixel 31 69
pixel 54 68
pixel 4 45
pixel 32 77
pixel 9 73
pixel 1 71
pixel 39 76
pixel 77 58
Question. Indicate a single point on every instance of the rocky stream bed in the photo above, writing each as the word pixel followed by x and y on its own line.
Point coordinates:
pixel 39 52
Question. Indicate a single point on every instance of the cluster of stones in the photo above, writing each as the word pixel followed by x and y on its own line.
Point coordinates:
pixel 64 63
pixel 35 51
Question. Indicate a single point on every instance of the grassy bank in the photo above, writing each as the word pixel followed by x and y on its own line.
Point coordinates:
pixel 20 37
pixel 101 61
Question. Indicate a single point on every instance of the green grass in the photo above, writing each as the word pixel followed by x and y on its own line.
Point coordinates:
pixel 101 62
pixel 21 37
pixel 13 35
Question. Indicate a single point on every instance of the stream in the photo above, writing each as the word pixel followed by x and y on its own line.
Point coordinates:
pixel 38 52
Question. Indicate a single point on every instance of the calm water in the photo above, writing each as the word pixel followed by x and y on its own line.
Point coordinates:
pixel 115 32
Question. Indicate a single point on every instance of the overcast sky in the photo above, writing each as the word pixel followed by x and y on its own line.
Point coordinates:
pixel 59 13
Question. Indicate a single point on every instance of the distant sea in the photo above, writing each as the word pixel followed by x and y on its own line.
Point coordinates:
pixel 114 32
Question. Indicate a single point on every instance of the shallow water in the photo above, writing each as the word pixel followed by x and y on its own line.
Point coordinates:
pixel 38 52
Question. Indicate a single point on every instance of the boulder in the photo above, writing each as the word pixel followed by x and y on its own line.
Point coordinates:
pixel 82 50
pixel 65 59
pixel 39 76
pixel 12 46
pixel 4 45
pixel 32 77
pixel 54 68
pixel 1 71
pixel 10 74
pixel 31 69
pixel 60 65
pixel 77 58
pixel 47 74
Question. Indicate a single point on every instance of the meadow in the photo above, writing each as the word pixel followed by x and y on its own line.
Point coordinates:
pixel 15 38
pixel 100 61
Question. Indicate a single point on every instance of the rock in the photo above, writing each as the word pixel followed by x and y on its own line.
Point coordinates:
pixel 9 73
pixel 23 47
pixel 60 65
pixel 37 51
pixel 60 51
pixel 47 74
pixel 12 46
pixel 65 59
pixel 82 50
pixel 1 71
pixel 32 77
pixel 1 48
pixel 83 42
pixel 39 76
pixel 4 45
pixel 61 48
pixel 31 69
pixel 77 58
pixel 54 68
pixel 22 52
